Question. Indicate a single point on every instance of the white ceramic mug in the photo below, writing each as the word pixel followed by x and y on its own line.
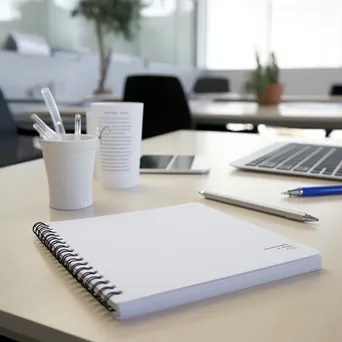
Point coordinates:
pixel 119 151
pixel 69 166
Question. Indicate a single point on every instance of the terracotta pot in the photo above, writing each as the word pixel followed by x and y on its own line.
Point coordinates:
pixel 103 92
pixel 272 96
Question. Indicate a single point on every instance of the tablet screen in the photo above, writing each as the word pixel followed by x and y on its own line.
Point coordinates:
pixel 155 162
pixel 170 162
pixel 182 163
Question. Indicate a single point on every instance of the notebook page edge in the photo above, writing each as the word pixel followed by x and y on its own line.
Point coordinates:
pixel 127 310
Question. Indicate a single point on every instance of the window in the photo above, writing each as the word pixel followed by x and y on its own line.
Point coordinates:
pixel 159 8
pixel 302 33
pixel 307 33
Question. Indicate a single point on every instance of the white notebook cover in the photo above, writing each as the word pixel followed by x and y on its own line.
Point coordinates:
pixel 150 255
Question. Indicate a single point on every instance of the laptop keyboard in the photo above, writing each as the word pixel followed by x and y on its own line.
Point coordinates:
pixel 302 158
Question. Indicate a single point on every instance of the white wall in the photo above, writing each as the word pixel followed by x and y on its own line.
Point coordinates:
pixel 75 77
pixel 297 81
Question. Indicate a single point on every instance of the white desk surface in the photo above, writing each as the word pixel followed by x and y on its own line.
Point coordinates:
pixel 40 300
pixel 251 98
pixel 298 115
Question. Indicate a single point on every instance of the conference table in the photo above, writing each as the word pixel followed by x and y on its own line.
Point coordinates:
pixel 231 96
pixel 40 301
pixel 294 115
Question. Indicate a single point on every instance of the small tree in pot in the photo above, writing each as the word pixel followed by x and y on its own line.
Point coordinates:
pixel 109 16
pixel 264 82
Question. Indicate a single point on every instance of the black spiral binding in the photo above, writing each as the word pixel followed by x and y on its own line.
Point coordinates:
pixel 84 273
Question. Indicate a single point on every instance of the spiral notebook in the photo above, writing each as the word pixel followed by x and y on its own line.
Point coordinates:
pixel 142 262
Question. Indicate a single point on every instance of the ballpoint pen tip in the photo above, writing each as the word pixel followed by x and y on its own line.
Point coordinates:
pixel 285 193
pixel 310 218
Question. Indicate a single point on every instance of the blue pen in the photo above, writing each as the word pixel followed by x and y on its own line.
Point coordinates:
pixel 315 191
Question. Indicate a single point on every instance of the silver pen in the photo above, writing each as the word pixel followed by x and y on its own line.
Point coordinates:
pixel 289 214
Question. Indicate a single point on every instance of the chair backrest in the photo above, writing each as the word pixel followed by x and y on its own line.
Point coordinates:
pixel 211 85
pixel 336 90
pixel 7 122
pixel 165 104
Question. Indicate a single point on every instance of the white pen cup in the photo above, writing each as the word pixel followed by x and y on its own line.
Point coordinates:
pixel 119 151
pixel 69 165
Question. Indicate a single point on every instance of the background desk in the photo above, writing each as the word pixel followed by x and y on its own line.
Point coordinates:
pixel 293 115
pixel 225 97
pixel 233 97
pixel 41 301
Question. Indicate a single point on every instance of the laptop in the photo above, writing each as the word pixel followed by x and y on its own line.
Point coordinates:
pixel 299 159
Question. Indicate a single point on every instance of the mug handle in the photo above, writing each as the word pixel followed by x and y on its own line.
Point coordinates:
pixel 100 132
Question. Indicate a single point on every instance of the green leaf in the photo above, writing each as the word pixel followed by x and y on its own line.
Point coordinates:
pixel 115 16
pixel 258 80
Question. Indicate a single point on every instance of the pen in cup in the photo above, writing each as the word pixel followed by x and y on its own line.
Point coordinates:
pixel 41 132
pixel 54 112
pixel 78 124
pixel 44 128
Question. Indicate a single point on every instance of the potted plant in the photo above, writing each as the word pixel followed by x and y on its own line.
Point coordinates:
pixel 109 16
pixel 264 82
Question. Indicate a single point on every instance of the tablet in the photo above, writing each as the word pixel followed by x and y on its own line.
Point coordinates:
pixel 186 164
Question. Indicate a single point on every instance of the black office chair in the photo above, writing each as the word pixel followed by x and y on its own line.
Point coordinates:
pixel 336 90
pixel 14 148
pixel 165 105
pixel 211 85
pixel 7 123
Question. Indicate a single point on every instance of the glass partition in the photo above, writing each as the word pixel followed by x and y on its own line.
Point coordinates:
pixel 167 32
pixel 27 16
